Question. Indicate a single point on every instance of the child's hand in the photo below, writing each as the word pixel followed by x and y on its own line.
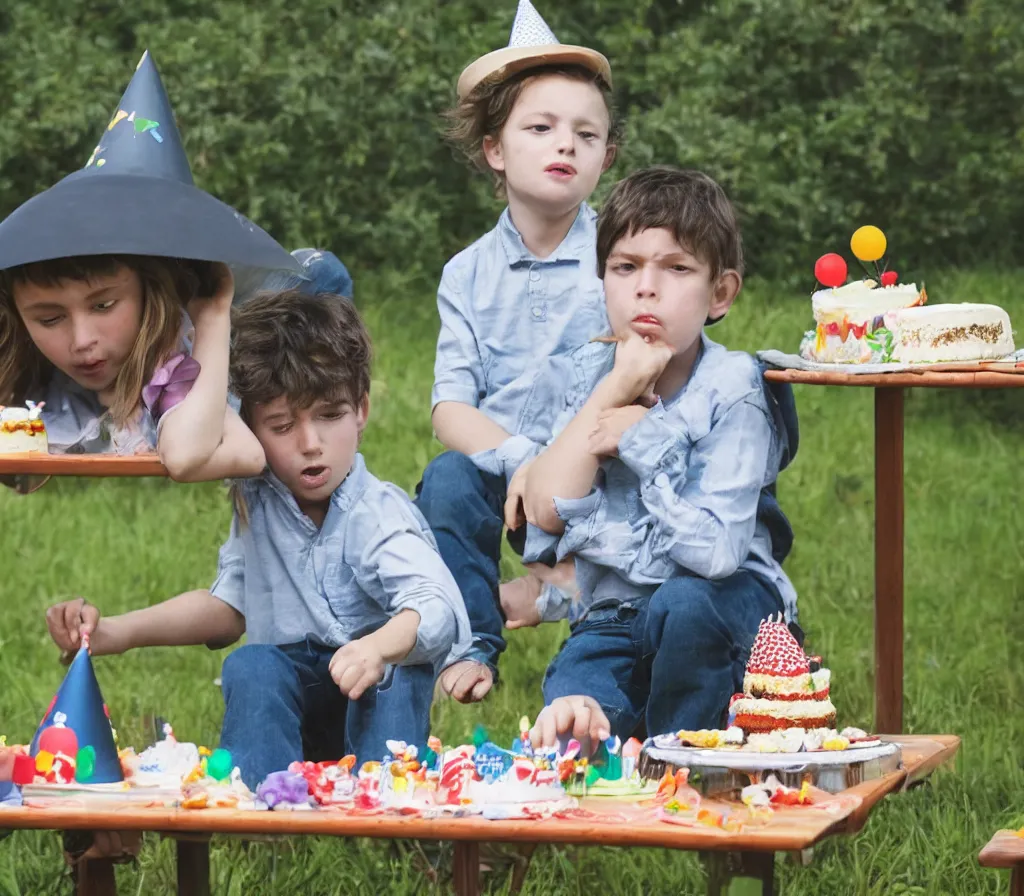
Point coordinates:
pixel 515 515
pixel 467 681
pixel 577 716
pixel 611 424
pixel 519 601
pixel 219 303
pixel 639 362
pixel 357 667
pixel 69 621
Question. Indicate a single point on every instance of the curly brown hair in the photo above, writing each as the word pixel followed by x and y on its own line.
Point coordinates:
pixel 485 112
pixel 306 348
pixel 168 284
pixel 688 203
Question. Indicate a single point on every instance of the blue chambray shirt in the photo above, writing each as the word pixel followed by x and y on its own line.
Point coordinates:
pixel 504 312
pixel 682 496
pixel 373 556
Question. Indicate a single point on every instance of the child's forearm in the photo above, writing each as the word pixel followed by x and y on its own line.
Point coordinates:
pixel 190 435
pixel 397 637
pixel 192 618
pixel 566 469
pixel 238 456
pixel 464 428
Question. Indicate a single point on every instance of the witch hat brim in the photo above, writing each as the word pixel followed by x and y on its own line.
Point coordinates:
pixel 135 196
pixel 502 64
pixel 131 214
pixel 79 706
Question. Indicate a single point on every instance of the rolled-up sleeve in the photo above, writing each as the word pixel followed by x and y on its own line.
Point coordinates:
pixel 458 369
pixel 229 586
pixel 702 495
pixel 400 567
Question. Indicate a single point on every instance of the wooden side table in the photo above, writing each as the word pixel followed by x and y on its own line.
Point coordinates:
pixel 889 389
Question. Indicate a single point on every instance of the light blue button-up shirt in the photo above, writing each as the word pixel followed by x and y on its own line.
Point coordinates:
pixel 504 312
pixel 682 496
pixel 373 557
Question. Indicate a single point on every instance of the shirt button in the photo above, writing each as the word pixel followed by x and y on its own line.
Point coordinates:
pixel 537 312
pixel 535 276
pixel 661 480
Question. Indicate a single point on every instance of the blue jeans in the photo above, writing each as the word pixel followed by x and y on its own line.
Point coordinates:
pixel 673 659
pixel 281 704
pixel 465 509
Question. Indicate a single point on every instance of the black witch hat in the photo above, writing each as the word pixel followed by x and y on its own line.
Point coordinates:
pixel 135 196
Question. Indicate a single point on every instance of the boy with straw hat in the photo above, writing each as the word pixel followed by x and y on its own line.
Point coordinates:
pixel 537 116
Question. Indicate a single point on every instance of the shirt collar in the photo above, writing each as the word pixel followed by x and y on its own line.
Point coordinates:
pixel 581 236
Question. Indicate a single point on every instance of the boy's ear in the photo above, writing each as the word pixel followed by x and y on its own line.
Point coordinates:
pixel 493 154
pixel 610 151
pixel 363 413
pixel 724 293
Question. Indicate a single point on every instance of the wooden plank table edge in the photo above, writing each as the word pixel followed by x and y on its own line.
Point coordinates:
pixel 1004 850
pixel 88 465
pixel 979 379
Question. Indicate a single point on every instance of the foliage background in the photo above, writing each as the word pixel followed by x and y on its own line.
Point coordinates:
pixel 320 119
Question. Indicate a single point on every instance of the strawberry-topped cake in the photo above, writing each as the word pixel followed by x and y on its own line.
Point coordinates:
pixel 782 687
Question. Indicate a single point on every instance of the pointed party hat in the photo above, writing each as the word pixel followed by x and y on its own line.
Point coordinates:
pixel 531 44
pixel 135 196
pixel 79 706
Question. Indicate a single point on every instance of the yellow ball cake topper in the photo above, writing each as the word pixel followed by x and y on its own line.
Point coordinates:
pixel 868 243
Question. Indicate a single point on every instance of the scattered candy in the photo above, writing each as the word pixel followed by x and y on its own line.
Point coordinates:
pixel 86 764
pixel 24 769
pixel 219 764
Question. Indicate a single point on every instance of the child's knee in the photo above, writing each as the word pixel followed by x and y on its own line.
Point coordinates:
pixel 450 481
pixel 254 668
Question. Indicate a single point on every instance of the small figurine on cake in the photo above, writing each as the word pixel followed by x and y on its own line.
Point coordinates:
pixel 879 320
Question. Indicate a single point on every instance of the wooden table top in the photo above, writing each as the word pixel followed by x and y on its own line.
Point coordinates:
pixel 994 376
pixel 599 821
pixel 1004 850
pixel 82 465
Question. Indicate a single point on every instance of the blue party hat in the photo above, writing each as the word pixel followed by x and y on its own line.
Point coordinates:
pixel 79 706
pixel 135 196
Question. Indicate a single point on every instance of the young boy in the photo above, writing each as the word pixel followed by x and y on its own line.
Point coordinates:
pixel 658 482
pixel 332 574
pixel 537 116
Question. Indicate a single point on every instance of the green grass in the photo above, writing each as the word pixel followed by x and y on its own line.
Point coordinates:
pixel 127 544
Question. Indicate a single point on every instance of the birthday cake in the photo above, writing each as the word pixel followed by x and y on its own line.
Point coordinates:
pixel 782 688
pixel 22 430
pixel 880 320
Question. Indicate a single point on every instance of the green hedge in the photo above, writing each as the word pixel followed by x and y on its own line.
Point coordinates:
pixel 319 120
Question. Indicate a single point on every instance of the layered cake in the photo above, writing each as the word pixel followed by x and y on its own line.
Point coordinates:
pixel 880 320
pixel 22 430
pixel 782 688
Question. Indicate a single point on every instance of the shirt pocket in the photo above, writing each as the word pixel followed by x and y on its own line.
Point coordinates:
pixel 342 592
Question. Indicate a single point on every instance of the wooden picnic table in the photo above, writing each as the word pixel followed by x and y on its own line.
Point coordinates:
pixel 889 390
pixel 1006 850
pixel 600 822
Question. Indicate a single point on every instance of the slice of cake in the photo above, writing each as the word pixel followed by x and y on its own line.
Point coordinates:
pixel 22 430
pixel 781 689
pixel 964 332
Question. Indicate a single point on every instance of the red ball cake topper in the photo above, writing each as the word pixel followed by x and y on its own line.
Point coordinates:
pixel 889 278
pixel 830 270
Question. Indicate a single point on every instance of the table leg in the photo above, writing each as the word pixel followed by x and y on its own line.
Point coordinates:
pixel 193 867
pixel 1017 881
pixel 740 874
pixel 96 878
pixel 889 560
pixel 466 868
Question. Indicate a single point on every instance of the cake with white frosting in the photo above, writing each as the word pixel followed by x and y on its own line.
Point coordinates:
pixel 945 333
pixel 22 430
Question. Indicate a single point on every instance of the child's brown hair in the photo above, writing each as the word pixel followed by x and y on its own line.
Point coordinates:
pixel 688 203
pixel 305 348
pixel 167 285
pixel 485 112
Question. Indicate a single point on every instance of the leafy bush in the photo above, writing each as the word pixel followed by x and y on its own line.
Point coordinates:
pixel 320 121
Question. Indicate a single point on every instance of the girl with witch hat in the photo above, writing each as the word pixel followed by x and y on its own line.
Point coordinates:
pixel 115 298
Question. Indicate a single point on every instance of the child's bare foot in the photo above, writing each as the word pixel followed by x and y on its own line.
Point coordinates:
pixel 467 681
pixel 519 600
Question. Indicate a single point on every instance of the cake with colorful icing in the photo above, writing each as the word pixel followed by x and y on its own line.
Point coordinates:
pixel 880 320
pixel 782 688
pixel 22 430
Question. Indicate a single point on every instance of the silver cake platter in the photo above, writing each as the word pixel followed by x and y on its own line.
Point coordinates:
pixel 716 772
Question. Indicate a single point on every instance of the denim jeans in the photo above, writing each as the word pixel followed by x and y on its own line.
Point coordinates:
pixel 673 659
pixel 465 509
pixel 281 704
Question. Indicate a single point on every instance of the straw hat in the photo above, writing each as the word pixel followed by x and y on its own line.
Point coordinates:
pixel 135 196
pixel 530 45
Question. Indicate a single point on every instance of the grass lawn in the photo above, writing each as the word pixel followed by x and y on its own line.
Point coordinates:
pixel 127 544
